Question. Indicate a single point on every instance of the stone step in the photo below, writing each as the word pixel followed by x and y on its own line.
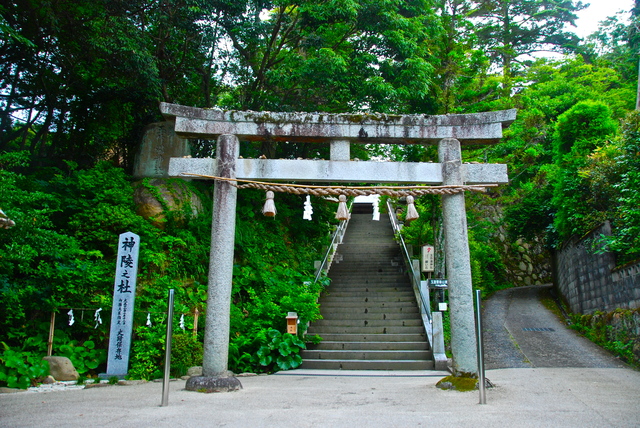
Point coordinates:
pixel 368 364
pixel 356 249
pixel 369 276
pixel 375 316
pixel 366 286
pixel 382 346
pixel 324 330
pixel 331 304
pixel 378 300
pixel 373 313
pixel 348 266
pixel 362 279
pixel 389 322
pixel 368 354
pixel 340 284
pixel 368 337
pixel 372 294
pixel 371 318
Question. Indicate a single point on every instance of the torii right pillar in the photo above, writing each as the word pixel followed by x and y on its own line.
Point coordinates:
pixel 458 262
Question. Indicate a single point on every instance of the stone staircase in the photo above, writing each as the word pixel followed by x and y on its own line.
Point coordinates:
pixel 371 318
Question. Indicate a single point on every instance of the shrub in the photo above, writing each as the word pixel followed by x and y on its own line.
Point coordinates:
pixel 186 352
pixel 20 369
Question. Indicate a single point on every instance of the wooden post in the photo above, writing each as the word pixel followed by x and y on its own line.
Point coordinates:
pixel 52 326
pixel 196 315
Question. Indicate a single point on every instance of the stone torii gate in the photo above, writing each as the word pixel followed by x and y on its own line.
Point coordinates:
pixel 448 131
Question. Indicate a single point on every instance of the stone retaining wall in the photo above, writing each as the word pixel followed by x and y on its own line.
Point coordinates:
pixel 590 282
pixel 526 263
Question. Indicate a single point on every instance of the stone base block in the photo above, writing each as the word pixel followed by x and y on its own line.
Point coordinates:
pixel 213 384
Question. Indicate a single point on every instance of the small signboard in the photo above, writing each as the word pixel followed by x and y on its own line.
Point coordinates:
pixel 124 292
pixel 428 258
pixel 437 283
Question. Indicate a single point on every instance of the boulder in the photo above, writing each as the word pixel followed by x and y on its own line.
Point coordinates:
pixel 154 198
pixel 194 371
pixel 61 368
pixel 48 380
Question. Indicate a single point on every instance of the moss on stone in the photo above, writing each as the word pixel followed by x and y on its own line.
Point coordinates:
pixel 458 383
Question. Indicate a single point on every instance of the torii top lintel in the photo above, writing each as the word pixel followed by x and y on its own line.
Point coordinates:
pixel 475 128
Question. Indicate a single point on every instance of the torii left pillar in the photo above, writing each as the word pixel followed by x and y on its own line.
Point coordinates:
pixel 215 375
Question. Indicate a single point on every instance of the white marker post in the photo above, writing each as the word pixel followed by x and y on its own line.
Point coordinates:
pixel 124 293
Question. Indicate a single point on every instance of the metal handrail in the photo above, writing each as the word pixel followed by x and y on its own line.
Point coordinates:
pixel 414 275
pixel 335 240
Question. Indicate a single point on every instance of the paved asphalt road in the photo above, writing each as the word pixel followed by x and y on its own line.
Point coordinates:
pixel 520 332
pixel 559 380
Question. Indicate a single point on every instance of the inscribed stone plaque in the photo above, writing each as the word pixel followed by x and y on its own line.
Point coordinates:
pixel 124 292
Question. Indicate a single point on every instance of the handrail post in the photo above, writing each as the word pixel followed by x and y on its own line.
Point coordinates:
pixel 481 380
pixel 167 354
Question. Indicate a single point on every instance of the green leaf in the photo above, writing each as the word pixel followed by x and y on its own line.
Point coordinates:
pixel 285 349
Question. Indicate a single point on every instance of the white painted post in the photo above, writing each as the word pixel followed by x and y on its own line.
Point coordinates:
pixel 458 262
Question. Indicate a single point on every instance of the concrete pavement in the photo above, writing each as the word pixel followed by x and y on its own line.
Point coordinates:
pixel 524 397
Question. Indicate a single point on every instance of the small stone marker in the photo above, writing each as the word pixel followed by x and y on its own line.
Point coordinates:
pixel 124 292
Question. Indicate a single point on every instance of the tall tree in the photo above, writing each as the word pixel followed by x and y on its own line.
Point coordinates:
pixel 93 72
pixel 509 29
pixel 333 55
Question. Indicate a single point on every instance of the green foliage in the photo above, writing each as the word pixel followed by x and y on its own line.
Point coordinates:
pixel 79 215
pixel 580 127
pixel 508 30
pixel 84 357
pixel 487 267
pixel 147 353
pixel 579 131
pixel 611 173
pixel 616 331
pixel 82 81
pixel 279 351
pixel 186 352
pixel 242 350
pixel 530 213
pixel 21 369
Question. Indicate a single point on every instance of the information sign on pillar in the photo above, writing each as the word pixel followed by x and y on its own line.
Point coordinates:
pixel 428 258
pixel 124 292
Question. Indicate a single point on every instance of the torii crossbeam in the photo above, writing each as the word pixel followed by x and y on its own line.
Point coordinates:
pixel 448 131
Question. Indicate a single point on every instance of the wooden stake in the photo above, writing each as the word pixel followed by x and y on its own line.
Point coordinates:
pixel 51 329
pixel 196 314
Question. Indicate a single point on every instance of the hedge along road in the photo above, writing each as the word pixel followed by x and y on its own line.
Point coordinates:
pixel 519 332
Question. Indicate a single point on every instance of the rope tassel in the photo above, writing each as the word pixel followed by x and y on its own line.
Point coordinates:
pixel 269 209
pixel 412 213
pixel 343 213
